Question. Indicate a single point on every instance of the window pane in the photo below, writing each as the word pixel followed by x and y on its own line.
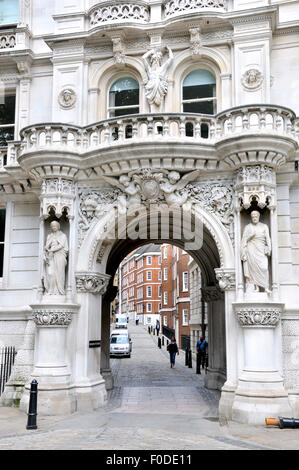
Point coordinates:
pixel 7 109
pixel 123 112
pixel 9 11
pixel 2 225
pixel 1 258
pixel 198 91
pixel 124 92
pixel 6 134
pixel 203 107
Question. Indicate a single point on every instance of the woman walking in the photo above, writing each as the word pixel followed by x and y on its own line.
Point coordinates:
pixel 172 348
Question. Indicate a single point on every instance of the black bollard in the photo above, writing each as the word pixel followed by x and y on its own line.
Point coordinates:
pixel 186 356
pixel 149 330
pixel 159 342
pixel 288 423
pixel 190 359
pixel 32 413
pixel 162 340
pixel 198 358
pixel 154 331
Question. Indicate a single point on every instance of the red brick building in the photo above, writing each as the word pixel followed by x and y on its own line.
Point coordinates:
pixel 175 311
pixel 140 287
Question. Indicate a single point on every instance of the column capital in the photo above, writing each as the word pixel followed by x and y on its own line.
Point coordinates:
pixel 92 283
pixel 211 293
pixel 53 314
pixel 257 315
pixel 226 278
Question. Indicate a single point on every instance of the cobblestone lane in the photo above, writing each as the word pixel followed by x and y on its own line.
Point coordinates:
pixel 151 407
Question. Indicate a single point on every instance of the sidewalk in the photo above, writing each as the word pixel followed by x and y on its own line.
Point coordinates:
pixel 151 407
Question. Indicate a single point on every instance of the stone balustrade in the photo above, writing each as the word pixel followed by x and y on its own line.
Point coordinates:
pixel 205 129
pixel 179 7
pixel 3 157
pixel 7 40
pixel 111 11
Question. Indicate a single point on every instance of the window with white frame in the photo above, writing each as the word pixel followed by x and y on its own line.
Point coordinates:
pixel 7 118
pixel 148 307
pixel 165 298
pixel 199 92
pixel 160 260
pixel 185 281
pixel 9 11
pixel 165 252
pixel 2 239
pixel 148 291
pixel 140 263
pixel 123 97
pixel 148 260
pixel 148 320
pixel 185 319
pixel 160 291
pixel 160 275
pixel 148 275
pixel 165 274
pixel 165 320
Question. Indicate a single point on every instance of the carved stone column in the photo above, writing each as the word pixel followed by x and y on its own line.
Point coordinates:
pixel 51 366
pixel 89 383
pixel 260 392
pixel 216 373
pixel 105 345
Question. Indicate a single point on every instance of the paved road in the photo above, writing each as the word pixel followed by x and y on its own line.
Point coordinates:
pixel 151 407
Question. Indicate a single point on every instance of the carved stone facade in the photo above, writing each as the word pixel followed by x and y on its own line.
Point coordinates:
pixel 94 283
pixel 52 316
pixel 257 316
pixel 57 194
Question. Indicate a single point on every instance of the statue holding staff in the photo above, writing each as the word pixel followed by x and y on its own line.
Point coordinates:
pixel 255 250
pixel 55 255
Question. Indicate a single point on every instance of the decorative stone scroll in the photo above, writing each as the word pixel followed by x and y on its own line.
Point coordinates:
pixel 258 316
pixel 226 278
pixel 119 12
pixel 47 316
pixel 195 42
pixel 94 283
pixel 57 194
pixel 118 51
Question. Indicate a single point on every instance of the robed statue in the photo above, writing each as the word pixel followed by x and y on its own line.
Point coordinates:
pixel 255 250
pixel 55 256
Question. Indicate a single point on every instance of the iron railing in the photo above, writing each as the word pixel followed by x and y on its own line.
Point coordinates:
pixel 168 332
pixel 7 359
pixel 185 342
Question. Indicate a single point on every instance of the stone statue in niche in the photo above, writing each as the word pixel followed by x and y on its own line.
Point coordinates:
pixel 55 255
pixel 157 85
pixel 255 250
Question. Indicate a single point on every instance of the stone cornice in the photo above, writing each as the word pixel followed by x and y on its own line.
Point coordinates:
pixel 92 283
pixel 258 314
pixel 53 314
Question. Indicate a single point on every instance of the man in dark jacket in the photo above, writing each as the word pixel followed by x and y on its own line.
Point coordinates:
pixel 202 350
pixel 172 348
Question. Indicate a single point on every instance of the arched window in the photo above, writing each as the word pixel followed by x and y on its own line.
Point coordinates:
pixel 199 92
pixel 123 97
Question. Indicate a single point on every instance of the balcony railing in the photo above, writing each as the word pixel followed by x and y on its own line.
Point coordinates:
pixel 175 7
pixel 173 128
pixel 112 11
pixel 7 40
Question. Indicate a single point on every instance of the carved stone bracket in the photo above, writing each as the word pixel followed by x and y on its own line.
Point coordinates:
pixel 93 283
pixel 53 315
pixel 118 51
pixel 211 294
pixel 258 315
pixel 226 278
pixel 57 194
pixel 195 42
pixel 255 182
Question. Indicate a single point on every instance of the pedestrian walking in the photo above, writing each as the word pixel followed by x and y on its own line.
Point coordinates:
pixel 137 320
pixel 157 327
pixel 173 349
pixel 202 350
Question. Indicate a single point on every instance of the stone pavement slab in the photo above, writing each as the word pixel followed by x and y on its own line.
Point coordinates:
pixel 152 407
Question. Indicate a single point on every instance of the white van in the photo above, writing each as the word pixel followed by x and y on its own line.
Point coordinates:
pixel 121 321
pixel 122 332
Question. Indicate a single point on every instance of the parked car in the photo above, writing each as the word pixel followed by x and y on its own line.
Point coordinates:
pixel 122 332
pixel 120 345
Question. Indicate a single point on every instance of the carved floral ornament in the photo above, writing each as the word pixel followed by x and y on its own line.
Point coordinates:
pixel 252 79
pixel 67 98
pixel 149 186
pixel 255 316
pixel 256 182
pixel 93 283
pixel 52 317
pixel 226 278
